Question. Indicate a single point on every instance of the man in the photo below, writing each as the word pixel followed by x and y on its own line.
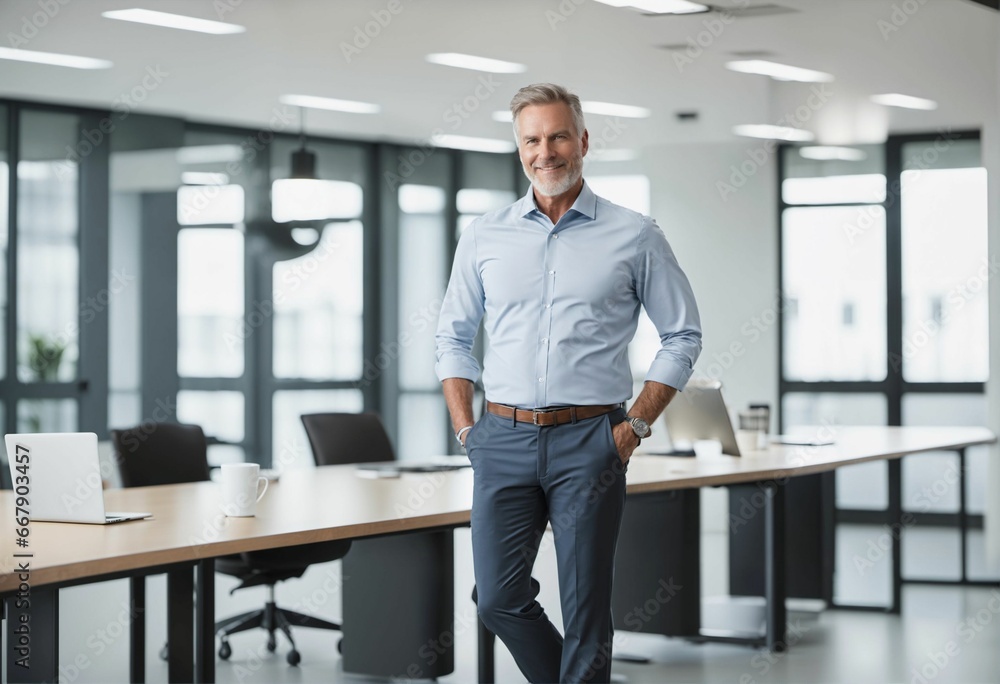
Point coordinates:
pixel 560 276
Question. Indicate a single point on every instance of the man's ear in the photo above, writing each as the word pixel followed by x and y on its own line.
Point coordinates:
pixel 586 141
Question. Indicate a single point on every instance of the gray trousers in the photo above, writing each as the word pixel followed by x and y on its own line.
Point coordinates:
pixel 526 476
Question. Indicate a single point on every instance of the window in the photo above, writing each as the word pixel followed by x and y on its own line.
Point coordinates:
pixel 864 188
pixel 316 283
pixel 839 269
pixel 49 322
pixel 318 307
pixel 205 205
pixel 48 259
pixel 221 414
pixel 945 273
pixel 310 200
pixel 885 258
pixel 210 303
pixel 438 200
pixel 278 309
pixel 837 276
pixel 423 269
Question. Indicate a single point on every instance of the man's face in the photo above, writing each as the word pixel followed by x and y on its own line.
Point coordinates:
pixel 550 147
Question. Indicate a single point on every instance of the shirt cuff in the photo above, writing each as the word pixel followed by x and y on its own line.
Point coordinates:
pixel 457 367
pixel 668 372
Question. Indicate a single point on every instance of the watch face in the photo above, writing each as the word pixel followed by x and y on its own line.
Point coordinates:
pixel 640 427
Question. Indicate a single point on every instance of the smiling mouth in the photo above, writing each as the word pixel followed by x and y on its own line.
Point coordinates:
pixel 548 168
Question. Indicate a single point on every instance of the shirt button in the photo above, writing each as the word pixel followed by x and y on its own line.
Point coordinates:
pixel 548 306
pixel 544 340
pixel 555 237
pixel 552 272
pixel 541 379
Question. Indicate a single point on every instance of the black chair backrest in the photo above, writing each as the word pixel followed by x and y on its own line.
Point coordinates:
pixel 339 438
pixel 161 453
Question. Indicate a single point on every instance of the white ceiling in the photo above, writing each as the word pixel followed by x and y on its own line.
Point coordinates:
pixel 946 50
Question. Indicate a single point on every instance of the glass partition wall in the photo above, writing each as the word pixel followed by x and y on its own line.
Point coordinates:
pixel 231 295
pixel 317 287
pixel 47 341
pixel 54 299
pixel 429 204
pixel 884 322
pixel 172 271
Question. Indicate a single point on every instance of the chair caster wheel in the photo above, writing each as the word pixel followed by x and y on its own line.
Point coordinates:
pixel 165 652
pixel 293 657
pixel 272 644
pixel 225 650
pixel 340 645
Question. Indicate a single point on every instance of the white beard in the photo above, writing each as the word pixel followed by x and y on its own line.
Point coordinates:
pixel 552 187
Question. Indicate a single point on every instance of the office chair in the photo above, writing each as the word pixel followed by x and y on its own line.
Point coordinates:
pixel 342 438
pixel 347 438
pixel 173 454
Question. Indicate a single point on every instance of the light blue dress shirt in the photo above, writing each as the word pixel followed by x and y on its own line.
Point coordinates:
pixel 561 304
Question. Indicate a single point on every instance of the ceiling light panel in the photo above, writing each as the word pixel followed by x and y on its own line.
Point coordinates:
pixel 904 101
pixel 659 6
pixel 770 132
pixel 779 72
pixel 331 104
pixel 54 59
pixel 612 109
pixel 464 142
pixel 174 21
pixel 832 152
pixel 476 63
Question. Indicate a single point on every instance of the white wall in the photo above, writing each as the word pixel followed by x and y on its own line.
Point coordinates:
pixel 727 243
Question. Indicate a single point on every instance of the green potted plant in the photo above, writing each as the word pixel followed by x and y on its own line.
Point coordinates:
pixel 44 357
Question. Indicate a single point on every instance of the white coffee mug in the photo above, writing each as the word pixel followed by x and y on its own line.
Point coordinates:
pixel 748 440
pixel 240 485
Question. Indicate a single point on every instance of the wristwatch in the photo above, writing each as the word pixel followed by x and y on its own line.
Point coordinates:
pixel 639 427
pixel 458 435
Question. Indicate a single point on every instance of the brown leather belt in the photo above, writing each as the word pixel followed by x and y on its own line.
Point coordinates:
pixel 549 416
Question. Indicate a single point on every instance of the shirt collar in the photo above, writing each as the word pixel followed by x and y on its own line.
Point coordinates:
pixel 585 204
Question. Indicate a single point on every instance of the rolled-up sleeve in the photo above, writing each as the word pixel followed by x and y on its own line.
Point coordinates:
pixel 666 294
pixel 461 311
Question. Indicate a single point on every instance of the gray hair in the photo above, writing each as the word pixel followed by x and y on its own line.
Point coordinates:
pixel 547 93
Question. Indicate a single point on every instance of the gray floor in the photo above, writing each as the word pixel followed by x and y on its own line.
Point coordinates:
pixel 945 635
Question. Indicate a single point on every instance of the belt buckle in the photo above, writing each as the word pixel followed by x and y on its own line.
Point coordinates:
pixel 534 417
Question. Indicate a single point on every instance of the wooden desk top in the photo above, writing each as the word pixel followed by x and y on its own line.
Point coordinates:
pixel 334 502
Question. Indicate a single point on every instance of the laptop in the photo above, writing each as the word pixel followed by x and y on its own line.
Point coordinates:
pixel 63 478
pixel 699 412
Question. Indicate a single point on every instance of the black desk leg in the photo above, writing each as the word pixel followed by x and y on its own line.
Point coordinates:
pixel 180 625
pixel 33 640
pixel 963 515
pixel 137 630
pixel 204 631
pixel 896 525
pixel 487 643
pixel 775 589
